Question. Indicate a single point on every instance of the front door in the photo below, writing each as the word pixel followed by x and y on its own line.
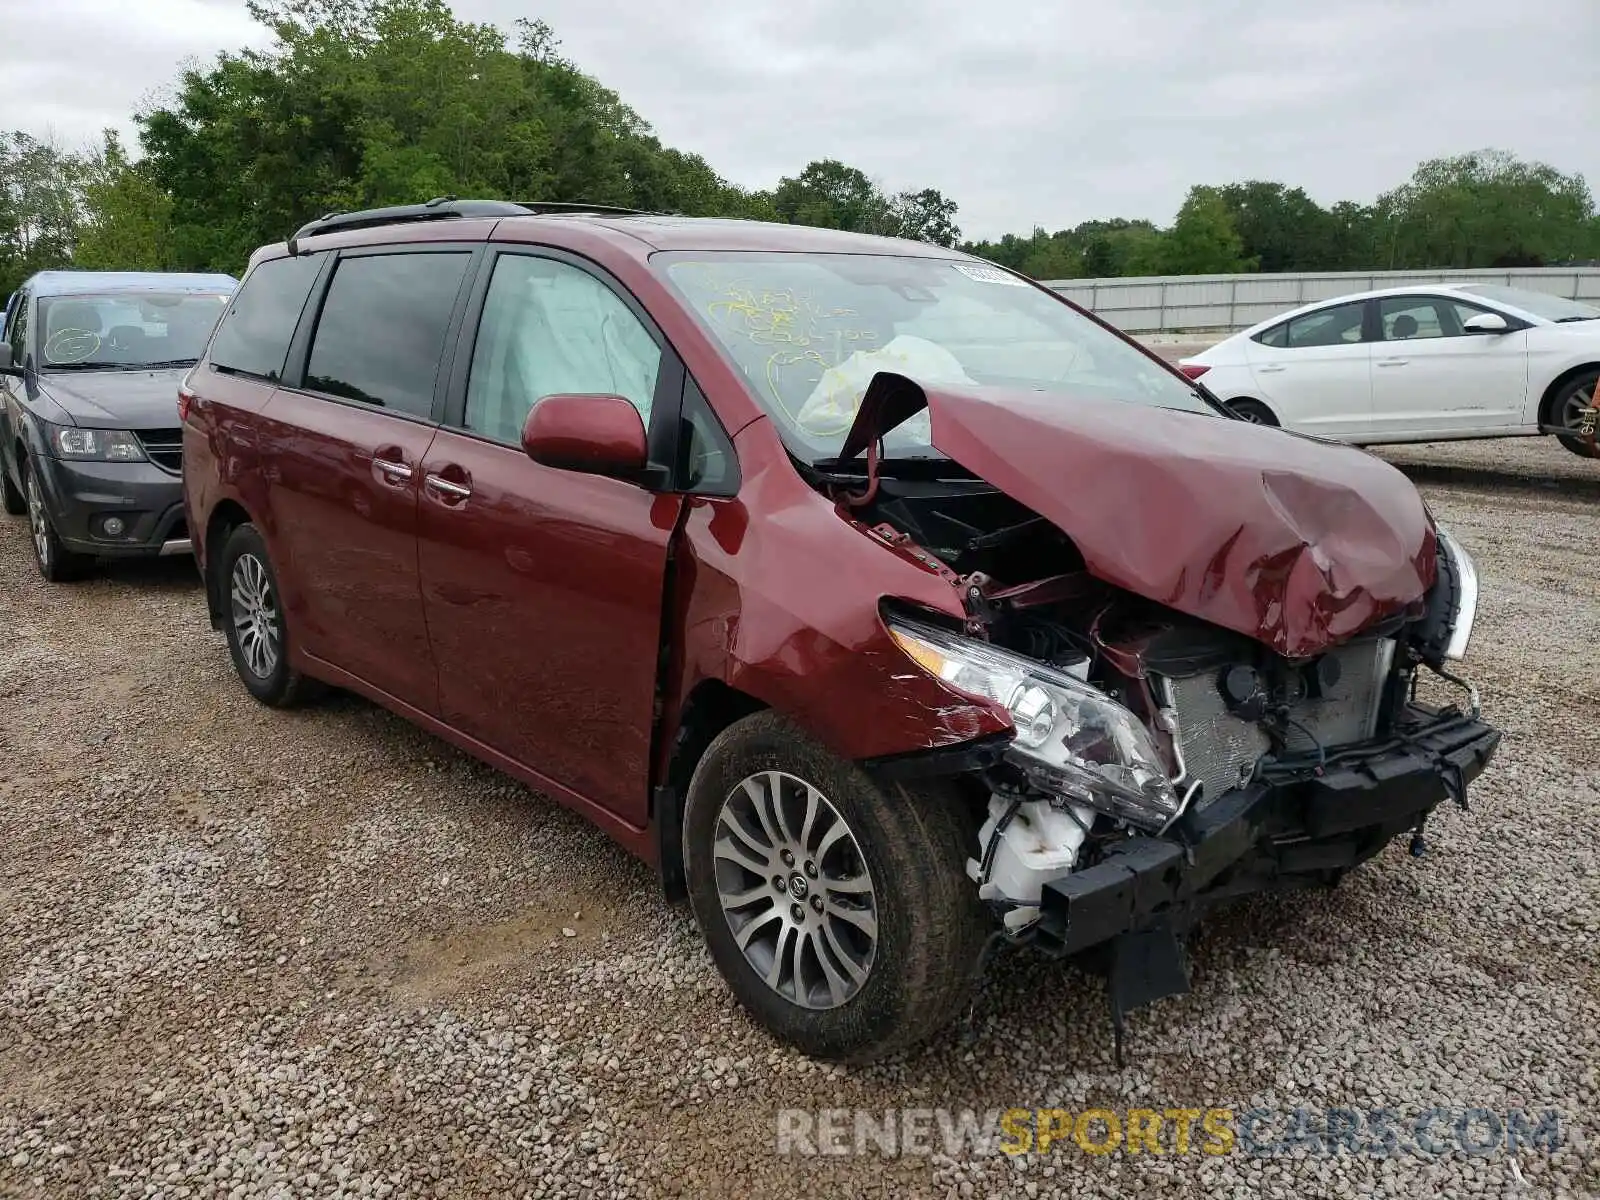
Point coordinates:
pixel 543 588
pixel 1430 376
pixel 346 450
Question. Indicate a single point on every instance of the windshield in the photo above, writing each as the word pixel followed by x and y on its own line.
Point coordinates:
pixel 127 329
pixel 809 331
pixel 1540 304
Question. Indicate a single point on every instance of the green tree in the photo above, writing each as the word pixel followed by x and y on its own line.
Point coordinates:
pixel 1483 209
pixel 368 102
pixel 126 215
pixel 833 196
pixel 925 216
pixel 1118 247
pixel 39 211
pixel 1281 227
pixel 1203 240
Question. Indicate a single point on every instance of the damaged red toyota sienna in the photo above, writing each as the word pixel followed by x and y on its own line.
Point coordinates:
pixel 897 610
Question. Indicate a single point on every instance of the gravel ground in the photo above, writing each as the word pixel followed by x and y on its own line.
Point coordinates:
pixel 251 953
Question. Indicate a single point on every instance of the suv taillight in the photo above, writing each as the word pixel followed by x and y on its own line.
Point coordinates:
pixel 1193 370
pixel 185 398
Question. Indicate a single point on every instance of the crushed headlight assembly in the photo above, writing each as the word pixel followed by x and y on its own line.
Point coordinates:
pixel 1466 580
pixel 1072 740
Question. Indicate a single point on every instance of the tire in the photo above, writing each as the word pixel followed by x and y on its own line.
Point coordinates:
pixel 1573 396
pixel 904 955
pixel 258 636
pixel 1253 411
pixel 55 562
pixel 12 500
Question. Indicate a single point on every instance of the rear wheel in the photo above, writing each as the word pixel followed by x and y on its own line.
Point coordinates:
pixel 840 913
pixel 258 637
pixel 56 563
pixel 1567 410
pixel 1253 411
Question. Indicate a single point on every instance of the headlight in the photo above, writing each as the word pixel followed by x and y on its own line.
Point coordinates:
pixel 95 445
pixel 1466 574
pixel 1072 740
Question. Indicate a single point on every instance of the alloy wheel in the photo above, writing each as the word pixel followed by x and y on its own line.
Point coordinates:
pixel 255 615
pixel 795 889
pixel 1574 405
pixel 38 522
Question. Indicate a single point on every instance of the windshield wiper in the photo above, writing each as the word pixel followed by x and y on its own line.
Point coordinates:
pixel 1565 320
pixel 168 362
pixel 91 366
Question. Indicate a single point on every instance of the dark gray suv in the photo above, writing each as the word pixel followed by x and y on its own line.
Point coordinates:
pixel 90 444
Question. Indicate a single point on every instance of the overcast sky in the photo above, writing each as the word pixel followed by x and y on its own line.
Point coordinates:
pixel 1023 112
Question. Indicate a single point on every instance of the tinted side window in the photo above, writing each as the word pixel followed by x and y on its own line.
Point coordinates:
pixel 1278 336
pixel 1337 326
pixel 17 328
pixel 382 329
pixel 253 337
pixel 547 329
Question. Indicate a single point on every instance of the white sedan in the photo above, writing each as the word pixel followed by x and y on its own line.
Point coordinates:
pixel 1417 364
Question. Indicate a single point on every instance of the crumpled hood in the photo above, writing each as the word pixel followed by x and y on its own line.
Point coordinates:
pixel 117 399
pixel 1297 543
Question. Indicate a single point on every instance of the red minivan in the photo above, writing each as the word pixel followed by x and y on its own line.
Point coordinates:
pixel 899 611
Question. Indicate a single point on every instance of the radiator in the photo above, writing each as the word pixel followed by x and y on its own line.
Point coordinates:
pixel 1221 751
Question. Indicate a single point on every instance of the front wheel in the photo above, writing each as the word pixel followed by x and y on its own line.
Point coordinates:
pixel 1575 396
pixel 56 563
pixel 839 912
pixel 258 637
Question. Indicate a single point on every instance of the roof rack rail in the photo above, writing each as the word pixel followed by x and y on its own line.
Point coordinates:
pixel 438 209
pixel 577 206
pixel 444 208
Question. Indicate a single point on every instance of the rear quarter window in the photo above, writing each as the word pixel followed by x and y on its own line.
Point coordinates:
pixel 253 337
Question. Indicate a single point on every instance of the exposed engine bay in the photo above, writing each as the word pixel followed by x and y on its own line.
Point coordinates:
pixel 1128 714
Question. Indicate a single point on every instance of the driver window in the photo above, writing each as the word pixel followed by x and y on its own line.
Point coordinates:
pixel 550 328
pixel 1414 318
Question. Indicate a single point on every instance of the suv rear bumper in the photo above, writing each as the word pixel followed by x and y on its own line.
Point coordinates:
pixel 81 495
pixel 1295 827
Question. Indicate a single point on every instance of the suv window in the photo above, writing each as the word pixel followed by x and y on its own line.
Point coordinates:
pixel 550 328
pixel 381 334
pixel 1336 326
pixel 253 338
pixel 1407 318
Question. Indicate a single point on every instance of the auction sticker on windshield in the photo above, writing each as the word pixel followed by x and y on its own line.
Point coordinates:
pixel 985 274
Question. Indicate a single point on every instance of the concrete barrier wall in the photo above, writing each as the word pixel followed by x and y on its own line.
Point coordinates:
pixel 1178 303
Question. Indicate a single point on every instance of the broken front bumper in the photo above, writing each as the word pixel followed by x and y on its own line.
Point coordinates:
pixel 1298 825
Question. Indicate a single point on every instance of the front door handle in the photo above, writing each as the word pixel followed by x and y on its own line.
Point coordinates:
pixel 397 471
pixel 1393 362
pixel 446 488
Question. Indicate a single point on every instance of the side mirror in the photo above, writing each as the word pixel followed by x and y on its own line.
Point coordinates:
pixel 1486 323
pixel 595 434
pixel 6 366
